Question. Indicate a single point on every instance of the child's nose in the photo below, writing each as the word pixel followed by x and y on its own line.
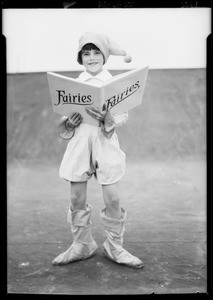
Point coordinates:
pixel 92 55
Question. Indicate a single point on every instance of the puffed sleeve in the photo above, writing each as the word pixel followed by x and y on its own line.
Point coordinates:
pixel 120 119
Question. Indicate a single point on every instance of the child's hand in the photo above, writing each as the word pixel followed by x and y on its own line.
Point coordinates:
pixel 73 121
pixel 109 121
pixel 96 113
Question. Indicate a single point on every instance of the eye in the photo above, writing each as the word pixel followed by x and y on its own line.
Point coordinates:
pixel 85 53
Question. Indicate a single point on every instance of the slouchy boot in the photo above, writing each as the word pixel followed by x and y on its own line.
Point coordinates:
pixel 113 246
pixel 83 246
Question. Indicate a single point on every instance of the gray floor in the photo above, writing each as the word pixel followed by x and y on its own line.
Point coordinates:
pixel 166 228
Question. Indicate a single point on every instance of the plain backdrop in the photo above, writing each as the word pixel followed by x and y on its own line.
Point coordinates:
pixel 40 40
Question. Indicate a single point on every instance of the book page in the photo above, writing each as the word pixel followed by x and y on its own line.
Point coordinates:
pixel 125 91
pixel 70 95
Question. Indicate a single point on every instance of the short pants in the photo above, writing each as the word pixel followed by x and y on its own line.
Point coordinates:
pixel 89 153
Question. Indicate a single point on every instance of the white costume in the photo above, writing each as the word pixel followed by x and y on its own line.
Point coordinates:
pixel 90 152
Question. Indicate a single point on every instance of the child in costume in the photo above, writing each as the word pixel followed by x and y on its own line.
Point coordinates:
pixel 94 150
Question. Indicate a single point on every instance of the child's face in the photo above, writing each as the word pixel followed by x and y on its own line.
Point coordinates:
pixel 92 60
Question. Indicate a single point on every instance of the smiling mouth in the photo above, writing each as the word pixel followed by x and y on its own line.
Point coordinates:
pixel 93 63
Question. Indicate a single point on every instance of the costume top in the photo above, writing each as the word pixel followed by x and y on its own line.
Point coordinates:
pixel 96 80
pixel 89 151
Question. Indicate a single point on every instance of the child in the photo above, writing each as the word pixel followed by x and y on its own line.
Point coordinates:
pixel 95 150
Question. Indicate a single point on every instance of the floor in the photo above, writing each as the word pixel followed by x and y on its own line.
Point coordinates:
pixel 166 228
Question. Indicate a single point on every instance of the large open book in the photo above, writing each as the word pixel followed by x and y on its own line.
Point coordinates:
pixel 120 94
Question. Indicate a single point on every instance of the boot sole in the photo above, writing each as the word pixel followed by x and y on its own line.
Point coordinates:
pixel 107 255
pixel 66 263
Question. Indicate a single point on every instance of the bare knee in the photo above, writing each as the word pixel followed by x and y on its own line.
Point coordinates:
pixel 112 199
pixel 78 197
pixel 77 201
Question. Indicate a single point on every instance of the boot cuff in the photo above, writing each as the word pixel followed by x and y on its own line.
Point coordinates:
pixel 114 225
pixel 80 217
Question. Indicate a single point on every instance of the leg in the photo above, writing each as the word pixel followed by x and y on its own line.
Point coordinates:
pixel 111 200
pixel 79 216
pixel 78 195
pixel 113 217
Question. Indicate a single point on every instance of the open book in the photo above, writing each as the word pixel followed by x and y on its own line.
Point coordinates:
pixel 120 94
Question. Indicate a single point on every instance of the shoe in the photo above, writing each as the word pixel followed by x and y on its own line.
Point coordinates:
pixel 113 246
pixel 83 246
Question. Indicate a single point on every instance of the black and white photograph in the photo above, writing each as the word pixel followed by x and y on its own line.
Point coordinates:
pixel 106 149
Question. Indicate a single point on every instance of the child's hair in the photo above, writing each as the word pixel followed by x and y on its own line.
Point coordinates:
pixel 87 47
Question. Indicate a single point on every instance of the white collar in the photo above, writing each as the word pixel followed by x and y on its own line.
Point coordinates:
pixel 104 75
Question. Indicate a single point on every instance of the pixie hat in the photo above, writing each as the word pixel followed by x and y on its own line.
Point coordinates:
pixel 104 43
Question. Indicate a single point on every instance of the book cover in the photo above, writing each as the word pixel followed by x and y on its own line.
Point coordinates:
pixel 120 94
